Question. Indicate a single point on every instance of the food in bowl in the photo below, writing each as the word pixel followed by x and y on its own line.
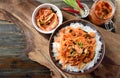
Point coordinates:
pixel 47 19
pixel 101 12
pixel 76 47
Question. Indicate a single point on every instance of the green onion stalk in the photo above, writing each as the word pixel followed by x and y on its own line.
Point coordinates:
pixel 74 4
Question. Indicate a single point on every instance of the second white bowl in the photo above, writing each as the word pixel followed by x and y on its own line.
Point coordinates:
pixel 47 5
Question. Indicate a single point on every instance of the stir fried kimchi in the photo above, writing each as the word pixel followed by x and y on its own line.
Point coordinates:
pixel 46 19
pixel 77 47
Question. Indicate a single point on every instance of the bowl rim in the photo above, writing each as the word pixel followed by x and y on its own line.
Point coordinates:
pixel 60 17
pixel 98 61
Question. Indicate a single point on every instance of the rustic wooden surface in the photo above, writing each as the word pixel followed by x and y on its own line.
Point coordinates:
pixel 14 62
pixel 117 16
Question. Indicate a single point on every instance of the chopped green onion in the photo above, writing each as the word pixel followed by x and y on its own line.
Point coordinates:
pixel 80 44
pixel 72 51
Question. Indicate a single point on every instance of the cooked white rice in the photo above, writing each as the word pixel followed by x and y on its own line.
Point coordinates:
pixel 88 29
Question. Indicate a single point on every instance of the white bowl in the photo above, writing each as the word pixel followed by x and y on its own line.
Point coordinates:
pixel 86 11
pixel 47 5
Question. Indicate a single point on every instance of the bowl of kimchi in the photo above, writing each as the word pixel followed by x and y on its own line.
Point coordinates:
pixel 46 18
pixel 76 47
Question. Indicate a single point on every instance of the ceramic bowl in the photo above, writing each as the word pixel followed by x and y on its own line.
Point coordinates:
pixel 101 51
pixel 47 5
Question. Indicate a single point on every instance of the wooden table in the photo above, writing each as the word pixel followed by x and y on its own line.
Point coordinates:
pixel 14 61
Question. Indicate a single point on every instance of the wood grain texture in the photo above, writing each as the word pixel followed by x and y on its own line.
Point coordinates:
pixel 2 17
pixel 17 67
pixel 22 18
pixel 117 16
pixel 37 44
pixel 13 61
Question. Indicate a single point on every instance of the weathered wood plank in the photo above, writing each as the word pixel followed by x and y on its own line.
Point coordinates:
pixel 13 61
pixel 12 40
pixel 21 66
pixel 117 16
